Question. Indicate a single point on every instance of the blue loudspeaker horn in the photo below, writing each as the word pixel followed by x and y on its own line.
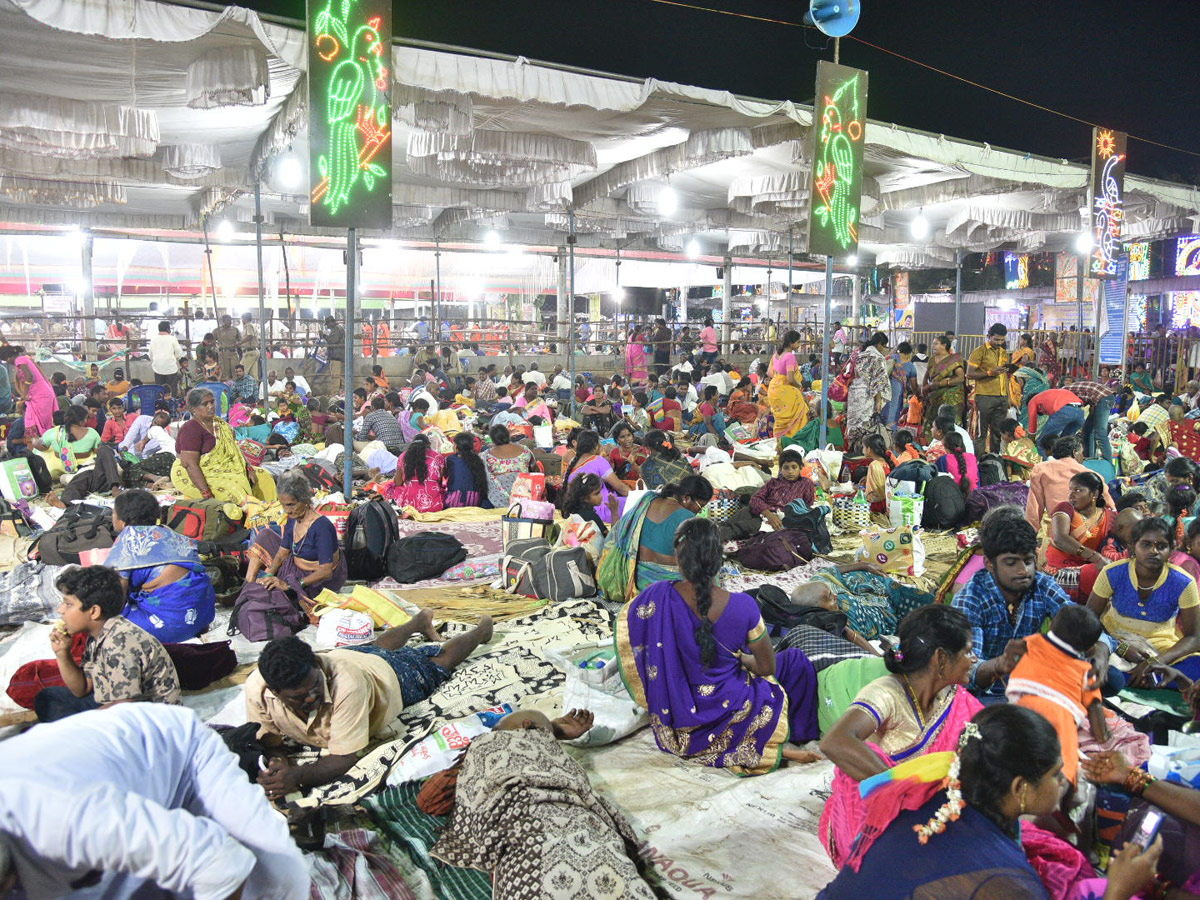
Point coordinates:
pixel 835 18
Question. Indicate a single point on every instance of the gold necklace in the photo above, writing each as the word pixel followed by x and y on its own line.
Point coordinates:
pixel 912 698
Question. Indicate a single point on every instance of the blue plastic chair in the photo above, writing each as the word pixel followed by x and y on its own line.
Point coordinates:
pixel 144 398
pixel 1101 467
pixel 220 392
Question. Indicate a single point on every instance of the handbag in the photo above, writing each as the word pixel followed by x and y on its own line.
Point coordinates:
pixel 898 550
pixel 252 451
pixel 849 515
pixel 516 527
pixel 775 551
pixel 529 485
pixel 723 506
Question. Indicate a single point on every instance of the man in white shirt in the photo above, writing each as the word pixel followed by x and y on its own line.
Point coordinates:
pixel 560 381
pixel 533 376
pixel 289 374
pixel 160 808
pixel 717 377
pixel 165 354
pixel 276 386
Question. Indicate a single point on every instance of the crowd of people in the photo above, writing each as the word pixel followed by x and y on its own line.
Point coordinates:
pixel 965 726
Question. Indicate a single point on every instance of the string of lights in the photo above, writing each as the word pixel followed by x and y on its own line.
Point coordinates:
pixel 923 65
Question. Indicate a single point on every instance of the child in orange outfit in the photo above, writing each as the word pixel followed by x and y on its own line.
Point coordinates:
pixel 1055 678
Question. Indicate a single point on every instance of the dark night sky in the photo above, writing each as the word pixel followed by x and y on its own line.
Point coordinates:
pixel 1131 66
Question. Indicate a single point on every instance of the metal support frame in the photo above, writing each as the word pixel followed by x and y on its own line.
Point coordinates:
pixel 88 298
pixel 348 367
pixel 958 292
pixel 262 302
pixel 727 308
pixel 571 305
pixel 826 362
pixel 788 320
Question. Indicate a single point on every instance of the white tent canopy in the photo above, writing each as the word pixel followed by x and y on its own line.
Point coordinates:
pixel 134 114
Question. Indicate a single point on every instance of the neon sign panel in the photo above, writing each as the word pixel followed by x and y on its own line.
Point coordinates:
pixel 840 119
pixel 1187 255
pixel 1108 200
pixel 350 113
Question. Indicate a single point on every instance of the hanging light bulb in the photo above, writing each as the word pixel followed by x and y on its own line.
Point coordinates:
pixel 491 240
pixel 852 260
pixel 619 295
pixel 290 171
pixel 693 248
pixel 224 230
pixel 1084 243
pixel 668 201
pixel 919 227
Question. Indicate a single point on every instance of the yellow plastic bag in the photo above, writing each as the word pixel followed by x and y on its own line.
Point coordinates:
pixel 382 609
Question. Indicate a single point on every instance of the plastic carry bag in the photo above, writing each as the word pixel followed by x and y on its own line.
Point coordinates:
pixel 898 550
pixel 344 628
pixel 440 750
pixel 594 683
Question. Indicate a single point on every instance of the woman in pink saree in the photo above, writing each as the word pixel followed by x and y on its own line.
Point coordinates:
pixel 635 358
pixel 40 402
pixel 921 707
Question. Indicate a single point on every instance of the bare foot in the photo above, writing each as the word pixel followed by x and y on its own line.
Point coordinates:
pixel 796 755
pixel 54 500
pixel 484 629
pixel 424 623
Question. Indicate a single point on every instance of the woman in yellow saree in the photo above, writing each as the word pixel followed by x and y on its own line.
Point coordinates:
pixel 210 463
pixel 785 395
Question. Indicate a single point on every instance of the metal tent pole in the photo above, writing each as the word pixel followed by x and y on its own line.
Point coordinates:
pixel 262 302
pixel 571 305
pixel 348 415
pixel 789 296
pixel 90 350
pixel 1079 304
pixel 727 308
pixel 826 367
pixel 958 256
pixel 437 294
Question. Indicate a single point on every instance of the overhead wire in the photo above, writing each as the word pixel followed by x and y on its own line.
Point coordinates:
pixel 916 62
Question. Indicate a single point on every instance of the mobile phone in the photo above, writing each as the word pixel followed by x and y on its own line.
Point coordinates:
pixel 1148 829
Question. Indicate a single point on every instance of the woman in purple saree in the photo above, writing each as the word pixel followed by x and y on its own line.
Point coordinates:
pixel 682 648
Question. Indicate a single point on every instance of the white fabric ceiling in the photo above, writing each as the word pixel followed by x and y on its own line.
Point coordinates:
pixel 205 99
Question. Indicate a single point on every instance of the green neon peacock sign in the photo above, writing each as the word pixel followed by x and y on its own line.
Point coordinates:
pixel 350 113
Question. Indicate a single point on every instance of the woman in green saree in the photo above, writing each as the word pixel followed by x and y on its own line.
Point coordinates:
pixel 944 383
pixel 640 549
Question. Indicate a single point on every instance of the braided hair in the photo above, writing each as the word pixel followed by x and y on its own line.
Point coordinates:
pixel 464 446
pixel 415 462
pixel 656 442
pixel 587 444
pixel 698 552
pixel 954 445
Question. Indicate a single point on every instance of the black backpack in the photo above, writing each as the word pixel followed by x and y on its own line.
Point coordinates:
pixel 991 469
pixel 371 530
pixel 423 556
pixel 945 505
pixel 81 527
pixel 321 478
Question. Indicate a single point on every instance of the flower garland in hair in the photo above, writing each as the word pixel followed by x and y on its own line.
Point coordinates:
pixel 952 808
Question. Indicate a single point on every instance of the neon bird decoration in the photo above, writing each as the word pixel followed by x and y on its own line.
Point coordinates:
pixel 350 113
pixel 837 174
